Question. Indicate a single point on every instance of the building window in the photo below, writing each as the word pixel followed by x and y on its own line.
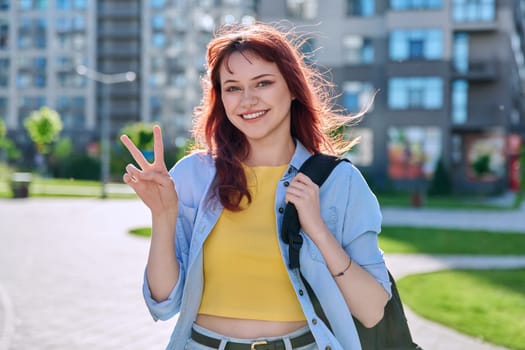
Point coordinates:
pixel 473 10
pixel 28 104
pixel 4 101
pixel 32 33
pixel 361 8
pixel 426 44
pixel 4 72
pixel 404 5
pixel 357 95
pixel 4 34
pixel 72 111
pixel 357 50
pixel 459 101
pixel 158 22
pixel 413 152
pixel 71 4
pixel 158 4
pixel 31 72
pixel 4 5
pixel 29 5
pixel 461 52
pixel 415 93
pixel 155 108
pixel 302 9
pixel 159 40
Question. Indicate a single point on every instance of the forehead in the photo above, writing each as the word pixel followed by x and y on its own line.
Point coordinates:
pixel 246 64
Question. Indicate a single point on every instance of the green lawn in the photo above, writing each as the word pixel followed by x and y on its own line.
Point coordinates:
pixel 488 304
pixel 450 241
pixel 404 199
pixel 141 231
pixel 41 187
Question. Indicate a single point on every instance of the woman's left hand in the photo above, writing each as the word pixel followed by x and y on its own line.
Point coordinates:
pixel 304 194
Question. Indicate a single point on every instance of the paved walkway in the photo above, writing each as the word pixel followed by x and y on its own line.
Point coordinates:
pixel 70 277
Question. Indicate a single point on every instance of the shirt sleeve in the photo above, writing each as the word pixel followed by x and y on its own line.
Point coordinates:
pixel 365 251
pixel 362 226
pixel 166 309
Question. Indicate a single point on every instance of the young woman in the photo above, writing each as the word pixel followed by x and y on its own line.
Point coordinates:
pixel 215 256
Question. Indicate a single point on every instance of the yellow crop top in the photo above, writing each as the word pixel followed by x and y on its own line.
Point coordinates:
pixel 244 274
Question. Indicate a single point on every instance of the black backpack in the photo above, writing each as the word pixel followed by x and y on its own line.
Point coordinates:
pixel 392 332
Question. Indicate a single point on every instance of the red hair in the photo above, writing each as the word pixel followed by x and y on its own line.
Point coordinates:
pixel 313 121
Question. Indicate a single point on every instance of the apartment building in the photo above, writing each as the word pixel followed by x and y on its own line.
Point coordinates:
pixel 174 39
pixel 447 75
pixel 449 80
pixel 44 42
pixel 41 42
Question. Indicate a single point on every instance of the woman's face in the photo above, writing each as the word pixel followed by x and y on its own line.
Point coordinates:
pixel 256 98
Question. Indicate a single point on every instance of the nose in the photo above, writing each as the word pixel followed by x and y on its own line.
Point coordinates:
pixel 249 98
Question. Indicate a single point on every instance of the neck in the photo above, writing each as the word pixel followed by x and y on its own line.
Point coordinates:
pixel 271 153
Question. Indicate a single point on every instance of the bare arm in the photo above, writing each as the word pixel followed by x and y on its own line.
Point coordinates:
pixel 156 189
pixel 366 298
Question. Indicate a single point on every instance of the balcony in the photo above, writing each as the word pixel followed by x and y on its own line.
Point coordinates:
pixel 119 50
pixel 478 70
pixel 118 11
pixel 130 31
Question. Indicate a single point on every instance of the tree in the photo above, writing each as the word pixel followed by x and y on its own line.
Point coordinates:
pixel 142 136
pixel 7 147
pixel 441 184
pixel 43 126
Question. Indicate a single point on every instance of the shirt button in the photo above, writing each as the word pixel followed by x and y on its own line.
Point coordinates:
pixel 286 184
pixel 301 292
pixel 290 170
pixel 328 348
pixel 314 321
pixel 281 210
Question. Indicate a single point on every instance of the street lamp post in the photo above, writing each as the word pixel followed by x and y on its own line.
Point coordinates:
pixel 105 128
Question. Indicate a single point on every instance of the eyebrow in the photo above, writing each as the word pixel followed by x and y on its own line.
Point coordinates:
pixel 254 78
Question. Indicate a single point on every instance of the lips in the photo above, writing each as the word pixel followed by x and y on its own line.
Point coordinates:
pixel 254 115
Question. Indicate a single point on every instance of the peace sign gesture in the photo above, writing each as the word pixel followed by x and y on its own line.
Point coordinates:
pixel 152 182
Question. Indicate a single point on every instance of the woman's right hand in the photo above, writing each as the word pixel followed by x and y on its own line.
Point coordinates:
pixel 152 182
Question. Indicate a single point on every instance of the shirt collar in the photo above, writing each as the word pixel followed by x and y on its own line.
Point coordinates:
pixel 300 155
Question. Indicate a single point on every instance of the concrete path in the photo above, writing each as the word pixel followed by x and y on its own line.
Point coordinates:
pixel 496 220
pixel 70 278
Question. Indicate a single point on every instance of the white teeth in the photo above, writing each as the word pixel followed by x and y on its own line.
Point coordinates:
pixel 253 115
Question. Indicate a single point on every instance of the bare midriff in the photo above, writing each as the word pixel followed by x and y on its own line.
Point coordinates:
pixel 247 329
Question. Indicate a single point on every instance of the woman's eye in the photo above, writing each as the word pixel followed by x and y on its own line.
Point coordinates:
pixel 231 88
pixel 264 83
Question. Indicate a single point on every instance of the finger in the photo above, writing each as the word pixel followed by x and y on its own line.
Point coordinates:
pixel 302 178
pixel 158 145
pixel 134 151
pixel 163 179
pixel 127 178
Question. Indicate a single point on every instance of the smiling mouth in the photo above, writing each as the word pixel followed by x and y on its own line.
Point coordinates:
pixel 255 115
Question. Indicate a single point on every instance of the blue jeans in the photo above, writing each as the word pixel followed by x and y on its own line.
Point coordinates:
pixel 192 345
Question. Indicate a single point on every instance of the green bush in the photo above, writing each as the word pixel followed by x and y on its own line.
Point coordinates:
pixel 440 183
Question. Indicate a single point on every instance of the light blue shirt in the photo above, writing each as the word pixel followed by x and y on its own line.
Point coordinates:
pixel 349 209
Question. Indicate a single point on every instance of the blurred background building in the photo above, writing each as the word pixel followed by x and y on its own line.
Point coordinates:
pixel 448 74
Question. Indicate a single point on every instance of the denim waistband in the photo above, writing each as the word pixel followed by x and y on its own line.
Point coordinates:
pixel 296 339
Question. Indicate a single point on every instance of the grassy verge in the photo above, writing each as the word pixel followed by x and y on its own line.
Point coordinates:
pixel 404 199
pixel 41 187
pixel 488 304
pixel 450 241
pixel 141 231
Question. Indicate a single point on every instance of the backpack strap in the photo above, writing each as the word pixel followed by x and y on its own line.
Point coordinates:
pixel 318 167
